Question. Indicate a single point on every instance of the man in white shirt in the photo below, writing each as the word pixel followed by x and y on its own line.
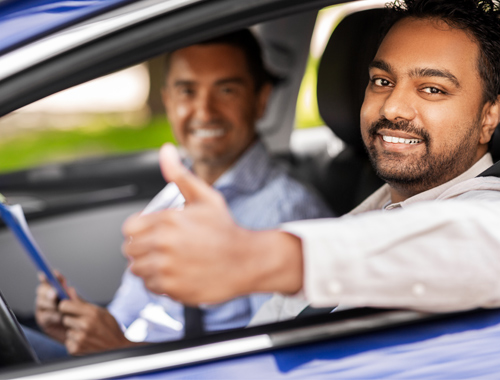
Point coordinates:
pixel 430 109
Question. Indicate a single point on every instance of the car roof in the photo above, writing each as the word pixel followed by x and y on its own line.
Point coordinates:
pixel 23 21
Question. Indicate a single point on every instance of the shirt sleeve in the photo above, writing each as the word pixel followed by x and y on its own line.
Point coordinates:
pixel 436 256
pixel 130 298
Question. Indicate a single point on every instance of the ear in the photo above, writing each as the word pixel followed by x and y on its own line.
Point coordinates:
pixel 262 99
pixel 491 118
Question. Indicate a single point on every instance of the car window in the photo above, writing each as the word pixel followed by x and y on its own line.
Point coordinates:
pixel 121 115
pixel 115 114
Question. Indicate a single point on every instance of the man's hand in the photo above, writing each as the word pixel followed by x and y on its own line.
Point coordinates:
pixel 199 254
pixel 47 315
pixel 89 328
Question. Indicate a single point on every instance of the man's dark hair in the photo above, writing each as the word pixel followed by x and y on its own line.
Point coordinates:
pixel 478 18
pixel 246 41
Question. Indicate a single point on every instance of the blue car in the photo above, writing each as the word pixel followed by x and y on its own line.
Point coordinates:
pixel 320 49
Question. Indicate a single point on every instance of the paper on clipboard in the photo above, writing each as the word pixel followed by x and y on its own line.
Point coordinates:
pixel 13 216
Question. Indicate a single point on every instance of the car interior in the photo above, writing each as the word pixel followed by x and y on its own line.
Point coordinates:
pixel 75 209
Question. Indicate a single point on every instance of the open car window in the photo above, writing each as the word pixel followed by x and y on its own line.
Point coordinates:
pixel 81 160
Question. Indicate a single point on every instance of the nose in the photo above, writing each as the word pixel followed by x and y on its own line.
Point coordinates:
pixel 205 107
pixel 399 104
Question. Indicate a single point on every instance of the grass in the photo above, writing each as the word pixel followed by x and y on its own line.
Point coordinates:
pixel 47 146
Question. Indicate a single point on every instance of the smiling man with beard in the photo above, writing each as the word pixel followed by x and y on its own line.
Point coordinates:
pixel 430 109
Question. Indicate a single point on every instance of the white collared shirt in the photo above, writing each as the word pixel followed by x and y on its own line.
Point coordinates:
pixel 426 255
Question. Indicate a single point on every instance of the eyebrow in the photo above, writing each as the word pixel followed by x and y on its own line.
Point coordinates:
pixel 182 83
pixel 429 72
pixel 417 72
pixel 381 65
pixel 185 82
pixel 236 80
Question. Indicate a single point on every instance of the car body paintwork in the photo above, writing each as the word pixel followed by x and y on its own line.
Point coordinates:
pixel 460 347
pixel 22 21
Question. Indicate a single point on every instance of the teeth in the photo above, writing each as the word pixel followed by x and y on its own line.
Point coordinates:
pixel 207 133
pixel 399 140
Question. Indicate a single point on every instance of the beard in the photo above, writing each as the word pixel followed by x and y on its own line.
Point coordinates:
pixel 413 174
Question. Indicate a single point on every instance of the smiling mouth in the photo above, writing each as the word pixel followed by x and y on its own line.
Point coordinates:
pixel 208 133
pixel 400 140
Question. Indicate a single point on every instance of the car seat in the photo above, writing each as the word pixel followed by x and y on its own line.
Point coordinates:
pixel 348 178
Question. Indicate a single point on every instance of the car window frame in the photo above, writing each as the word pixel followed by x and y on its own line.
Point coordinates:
pixel 139 42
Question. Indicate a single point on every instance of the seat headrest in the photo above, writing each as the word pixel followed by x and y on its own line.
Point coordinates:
pixel 343 73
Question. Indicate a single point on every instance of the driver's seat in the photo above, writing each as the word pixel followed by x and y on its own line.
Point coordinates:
pixel 347 179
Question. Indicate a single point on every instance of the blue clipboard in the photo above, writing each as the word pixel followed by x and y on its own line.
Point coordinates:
pixel 13 217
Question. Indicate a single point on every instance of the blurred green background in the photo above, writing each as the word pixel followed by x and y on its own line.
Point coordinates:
pixel 43 146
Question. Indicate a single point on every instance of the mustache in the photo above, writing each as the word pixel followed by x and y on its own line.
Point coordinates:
pixel 403 126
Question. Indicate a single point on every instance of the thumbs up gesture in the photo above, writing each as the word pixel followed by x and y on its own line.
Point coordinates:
pixel 199 254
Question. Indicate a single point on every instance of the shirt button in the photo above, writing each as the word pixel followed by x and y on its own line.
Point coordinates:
pixel 418 290
pixel 335 287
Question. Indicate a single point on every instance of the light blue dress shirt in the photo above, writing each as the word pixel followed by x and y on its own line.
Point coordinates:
pixel 260 195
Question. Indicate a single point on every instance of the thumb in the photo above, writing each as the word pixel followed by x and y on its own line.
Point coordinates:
pixel 192 188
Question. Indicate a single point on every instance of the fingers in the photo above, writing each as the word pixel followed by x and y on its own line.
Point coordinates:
pixel 61 279
pixel 46 294
pixel 75 305
pixel 192 188
pixel 41 277
pixel 73 295
pixel 94 330
pixel 154 269
pixel 76 323
pixel 147 233
pixel 137 224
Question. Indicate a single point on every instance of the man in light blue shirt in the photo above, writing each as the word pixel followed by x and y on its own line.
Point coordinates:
pixel 260 195
pixel 214 94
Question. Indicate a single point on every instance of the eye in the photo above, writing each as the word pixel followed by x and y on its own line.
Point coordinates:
pixel 433 90
pixel 227 90
pixel 380 82
pixel 187 91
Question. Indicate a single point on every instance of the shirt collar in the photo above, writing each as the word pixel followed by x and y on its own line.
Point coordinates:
pixel 248 173
pixel 381 199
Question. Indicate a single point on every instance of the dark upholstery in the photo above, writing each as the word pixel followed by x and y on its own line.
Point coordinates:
pixel 349 178
pixel 495 145
pixel 343 73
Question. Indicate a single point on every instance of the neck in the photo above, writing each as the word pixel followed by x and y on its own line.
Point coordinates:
pixel 208 172
pixel 397 195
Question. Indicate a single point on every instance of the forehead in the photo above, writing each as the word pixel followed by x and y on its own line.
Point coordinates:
pixel 427 43
pixel 208 62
